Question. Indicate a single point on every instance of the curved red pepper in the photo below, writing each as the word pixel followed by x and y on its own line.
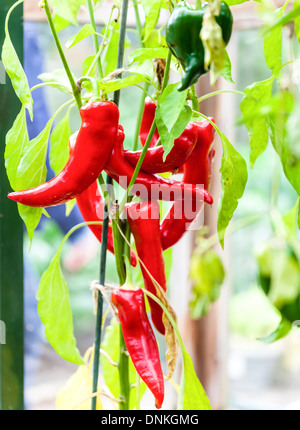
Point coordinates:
pixel 147 185
pixel 147 120
pixel 197 171
pixel 94 144
pixel 153 161
pixel 139 339
pixel 91 205
pixel 143 220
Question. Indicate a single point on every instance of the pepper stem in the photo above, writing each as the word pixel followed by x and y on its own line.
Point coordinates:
pixel 93 82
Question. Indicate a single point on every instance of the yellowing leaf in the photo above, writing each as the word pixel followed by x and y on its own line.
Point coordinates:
pixel 76 393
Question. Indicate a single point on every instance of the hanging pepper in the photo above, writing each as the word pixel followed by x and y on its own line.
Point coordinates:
pixel 183 38
pixel 143 220
pixel 139 338
pixel 150 186
pixel 153 162
pixel 91 205
pixel 147 120
pixel 94 143
pixel 197 171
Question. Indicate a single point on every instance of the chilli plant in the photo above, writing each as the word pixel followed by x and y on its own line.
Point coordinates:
pixel 171 136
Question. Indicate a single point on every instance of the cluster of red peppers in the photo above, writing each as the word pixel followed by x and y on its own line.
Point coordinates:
pixel 98 146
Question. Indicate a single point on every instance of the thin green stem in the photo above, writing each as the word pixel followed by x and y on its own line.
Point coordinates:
pixel 93 82
pixel 74 87
pixel 139 164
pixel 139 118
pixel 119 247
pixel 123 367
pixel 215 93
pixel 100 50
pixel 50 84
pixel 198 4
pixel 124 362
pixel 95 37
pixel 167 72
pixel 138 21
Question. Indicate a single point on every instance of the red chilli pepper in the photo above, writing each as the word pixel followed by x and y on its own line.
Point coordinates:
pixel 153 161
pixel 93 147
pixel 143 220
pixel 149 186
pixel 91 205
pixel 140 339
pixel 197 171
pixel 147 120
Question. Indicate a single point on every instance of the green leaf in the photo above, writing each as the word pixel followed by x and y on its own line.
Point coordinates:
pixel 55 312
pixel 290 221
pixel 110 346
pixel 226 72
pixel 110 54
pixel 147 54
pixel 60 23
pixel 172 116
pixel 59 149
pixel 258 94
pixel 117 84
pixel 70 206
pixel 25 163
pixel 192 395
pixel 16 72
pixel 152 10
pixel 273 42
pixel 67 9
pixel 58 76
pixel 144 67
pixel 297 19
pixel 86 31
pixel 290 16
pixel 87 62
pixel 233 182
pixel 234 2
pixel 207 275
pixel 282 330
pixel 283 126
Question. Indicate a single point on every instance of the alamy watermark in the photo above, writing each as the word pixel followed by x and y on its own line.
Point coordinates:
pixel 2 74
pixel 186 201
pixel 2 333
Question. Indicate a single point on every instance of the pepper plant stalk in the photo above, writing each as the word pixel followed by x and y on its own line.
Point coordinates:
pixel 124 378
pixel 62 56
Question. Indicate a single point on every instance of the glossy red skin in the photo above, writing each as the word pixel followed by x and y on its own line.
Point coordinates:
pixel 93 147
pixel 182 149
pixel 169 190
pixel 144 221
pixel 147 120
pixel 91 205
pixel 140 339
pixel 197 170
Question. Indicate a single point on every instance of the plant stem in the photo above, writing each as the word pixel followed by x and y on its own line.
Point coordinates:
pixel 124 378
pixel 101 48
pixel 123 367
pixel 95 37
pixel 198 4
pixel 146 86
pixel 62 56
pixel 139 118
pixel 139 164
pixel 167 72
pixel 138 21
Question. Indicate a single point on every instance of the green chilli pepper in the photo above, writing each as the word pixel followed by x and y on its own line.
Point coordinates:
pixel 183 38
